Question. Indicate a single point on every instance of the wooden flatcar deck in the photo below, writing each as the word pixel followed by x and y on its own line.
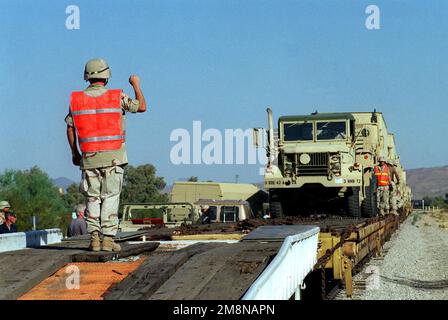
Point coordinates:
pixel 23 269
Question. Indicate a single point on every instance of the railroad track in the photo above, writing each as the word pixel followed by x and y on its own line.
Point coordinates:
pixel 419 284
pixel 360 283
pixel 353 244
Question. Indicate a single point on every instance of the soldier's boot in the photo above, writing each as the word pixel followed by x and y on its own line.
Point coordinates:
pixel 95 241
pixel 110 245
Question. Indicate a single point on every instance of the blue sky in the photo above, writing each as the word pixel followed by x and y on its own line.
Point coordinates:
pixel 222 62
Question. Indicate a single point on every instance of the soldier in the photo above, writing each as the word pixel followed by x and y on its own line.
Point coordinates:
pixel 394 183
pixel 205 216
pixel 4 208
pixel 383 179
pixel 96 120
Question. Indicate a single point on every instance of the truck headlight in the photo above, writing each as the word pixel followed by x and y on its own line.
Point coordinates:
pixel 305 158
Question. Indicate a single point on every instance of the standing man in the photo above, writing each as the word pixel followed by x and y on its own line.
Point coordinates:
pixel 382 174
pixel 78 226
pixel 394 183
pixel 96 121
pixel 4 208
pixel 205 216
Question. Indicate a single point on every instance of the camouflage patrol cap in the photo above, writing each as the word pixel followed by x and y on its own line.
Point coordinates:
pixel 97 69
pixel 4 204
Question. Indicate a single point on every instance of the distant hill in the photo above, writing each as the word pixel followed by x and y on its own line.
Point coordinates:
pixel 430 182
pixel 62 182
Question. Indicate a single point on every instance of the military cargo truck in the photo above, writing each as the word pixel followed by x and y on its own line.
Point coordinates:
pixel 185 191
pixel 139 216
pixel 323 163
pixel 221 211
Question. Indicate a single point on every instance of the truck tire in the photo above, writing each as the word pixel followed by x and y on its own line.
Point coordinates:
pixel 369 208
pixel 352 203
pixel 276 210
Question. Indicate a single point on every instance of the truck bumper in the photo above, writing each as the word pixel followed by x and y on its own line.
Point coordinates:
pixel 335 182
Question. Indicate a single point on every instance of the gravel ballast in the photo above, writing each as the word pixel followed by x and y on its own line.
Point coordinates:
pixel 414 267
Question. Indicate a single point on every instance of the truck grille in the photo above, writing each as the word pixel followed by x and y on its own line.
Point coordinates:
pixel 318 165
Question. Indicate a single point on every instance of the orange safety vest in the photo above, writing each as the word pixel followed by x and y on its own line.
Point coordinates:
pixel 98 120
pixel 383 176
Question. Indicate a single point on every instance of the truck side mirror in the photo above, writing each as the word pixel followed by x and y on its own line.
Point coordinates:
pixel 255 132
pixel 258 137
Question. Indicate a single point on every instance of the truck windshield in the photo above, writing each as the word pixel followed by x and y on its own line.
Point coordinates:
pixel 229 214
pixel 298 131
pixel 331 130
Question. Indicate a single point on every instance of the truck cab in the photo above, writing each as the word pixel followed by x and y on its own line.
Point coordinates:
pixel 142 216
pixel 227 211
pixel 316 149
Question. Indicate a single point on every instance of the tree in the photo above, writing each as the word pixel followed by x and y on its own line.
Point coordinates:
pixel 141 185
pixel 73 196
pixel 439 202
pixel 428 200
pixel 193 179
pixel 32 192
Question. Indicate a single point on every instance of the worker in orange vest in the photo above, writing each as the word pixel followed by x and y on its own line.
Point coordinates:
pixel 382 173
pixel 96 120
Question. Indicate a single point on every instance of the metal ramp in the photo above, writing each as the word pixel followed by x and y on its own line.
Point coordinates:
pixel 269 263
pixel 284 276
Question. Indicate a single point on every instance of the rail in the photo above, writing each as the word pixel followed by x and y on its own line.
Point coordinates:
pixel 284 276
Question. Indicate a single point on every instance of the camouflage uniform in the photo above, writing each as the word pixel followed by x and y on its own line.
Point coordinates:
pixel 382 195
pixel 396 199
pixel 102 175
pixel 394 193
pixel 393 198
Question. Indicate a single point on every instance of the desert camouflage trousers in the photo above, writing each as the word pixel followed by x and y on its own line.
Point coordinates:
pixel 102 188
pixel 382 198
pixel 396 200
